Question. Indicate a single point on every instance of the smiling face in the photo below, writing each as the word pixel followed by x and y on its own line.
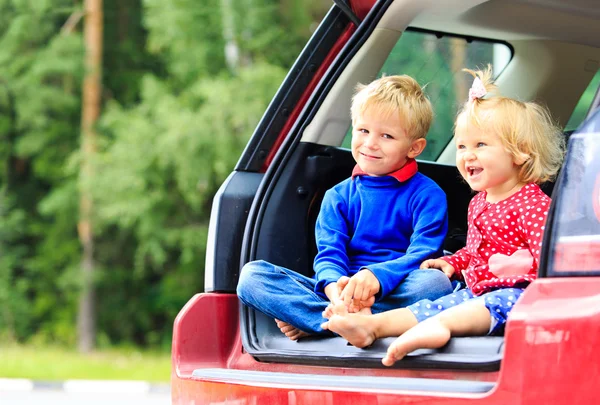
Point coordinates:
pixel 380 144
pixel 485 163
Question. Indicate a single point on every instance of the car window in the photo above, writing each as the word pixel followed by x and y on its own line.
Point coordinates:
pixel 584 104
pixel 436 62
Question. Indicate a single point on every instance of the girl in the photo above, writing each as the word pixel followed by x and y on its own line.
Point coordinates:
pixel 505 148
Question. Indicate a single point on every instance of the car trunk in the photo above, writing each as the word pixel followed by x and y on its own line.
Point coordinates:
pixel 283 233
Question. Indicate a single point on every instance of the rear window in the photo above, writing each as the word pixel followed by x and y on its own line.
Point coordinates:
pixel 575 242
pixel 436 62
pixel 583 105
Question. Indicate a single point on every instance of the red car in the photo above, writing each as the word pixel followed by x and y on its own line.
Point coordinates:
pixel 547 50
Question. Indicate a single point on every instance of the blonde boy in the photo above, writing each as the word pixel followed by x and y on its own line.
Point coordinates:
pixel 374 229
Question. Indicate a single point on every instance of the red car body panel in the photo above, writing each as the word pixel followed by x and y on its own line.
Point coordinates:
pixel 550 354
pixel 361 7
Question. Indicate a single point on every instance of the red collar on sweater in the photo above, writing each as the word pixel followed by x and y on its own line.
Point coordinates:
pixel 402 174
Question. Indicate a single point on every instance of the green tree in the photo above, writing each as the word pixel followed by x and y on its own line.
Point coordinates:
pixel 175 119
pixel 39 71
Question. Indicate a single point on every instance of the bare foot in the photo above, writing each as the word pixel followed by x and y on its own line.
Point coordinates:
pixel 355 328
pixel 366 311
pixel 429 334
pixel 328 312
pixel 290 330
pixel 341 309
pixel 333 309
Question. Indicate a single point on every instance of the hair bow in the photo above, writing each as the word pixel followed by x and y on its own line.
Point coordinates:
pixel 477 89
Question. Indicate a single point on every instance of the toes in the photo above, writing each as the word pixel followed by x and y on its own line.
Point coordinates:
pixel 388 360
pixel 296 334
pixel 287 329
pixel 284 327
pixel 340 309
pixel 293 335
pixel 394 353
pixel 325 325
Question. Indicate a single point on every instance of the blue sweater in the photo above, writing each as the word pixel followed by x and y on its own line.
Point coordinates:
pixel 379 223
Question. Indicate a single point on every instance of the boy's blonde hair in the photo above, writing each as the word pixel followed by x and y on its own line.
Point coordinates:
pixel 400 95
pixel 526 129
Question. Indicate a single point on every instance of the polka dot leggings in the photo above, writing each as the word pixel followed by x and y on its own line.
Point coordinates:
pixel 498 302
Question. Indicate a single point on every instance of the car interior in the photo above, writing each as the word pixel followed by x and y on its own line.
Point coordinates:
pixel 543 50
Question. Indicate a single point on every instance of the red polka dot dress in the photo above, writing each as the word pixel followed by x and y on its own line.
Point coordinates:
pixel 503 241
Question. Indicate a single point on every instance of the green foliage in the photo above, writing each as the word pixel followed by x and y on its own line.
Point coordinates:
pixel 162 163
pixel 175 120
pixel 584 104
pixel 126 59
pixel 187 36
pixel 40 71
pixel 14 311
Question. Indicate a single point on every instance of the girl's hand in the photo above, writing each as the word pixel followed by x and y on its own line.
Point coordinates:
pixel 438 264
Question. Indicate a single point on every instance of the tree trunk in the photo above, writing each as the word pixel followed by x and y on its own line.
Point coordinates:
pixel 90 111
pixel 232 50
pixel 457 63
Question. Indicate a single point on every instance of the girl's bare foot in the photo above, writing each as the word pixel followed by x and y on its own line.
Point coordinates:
pixel 335 309
pixel 328 312
pixel 429 334
pixel 365 311
pixel 341 309
pixel 290 330
pixel 355 328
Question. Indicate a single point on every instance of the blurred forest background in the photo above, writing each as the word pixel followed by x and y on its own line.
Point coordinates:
pixel 119 119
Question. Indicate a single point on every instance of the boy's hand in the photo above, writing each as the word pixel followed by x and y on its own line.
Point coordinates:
pixel 333 292
pixel 336 305
pixel 438 264
pixel 360 291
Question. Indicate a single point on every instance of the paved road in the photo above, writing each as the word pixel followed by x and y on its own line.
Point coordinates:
pixel 44 397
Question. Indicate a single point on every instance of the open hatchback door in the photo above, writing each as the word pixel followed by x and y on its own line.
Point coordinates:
pixel 545 50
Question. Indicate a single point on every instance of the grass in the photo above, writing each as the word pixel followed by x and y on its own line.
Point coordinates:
pixel 54 363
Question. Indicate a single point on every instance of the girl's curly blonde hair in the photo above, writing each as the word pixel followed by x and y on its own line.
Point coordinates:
pixel 526 129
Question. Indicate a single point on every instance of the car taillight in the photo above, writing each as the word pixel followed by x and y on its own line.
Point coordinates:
pixel 575 227
pixel 577 253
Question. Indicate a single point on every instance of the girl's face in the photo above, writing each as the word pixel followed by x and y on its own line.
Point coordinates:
pixel 485 164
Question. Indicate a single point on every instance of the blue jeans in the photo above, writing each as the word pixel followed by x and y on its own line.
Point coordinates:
pixel 289 296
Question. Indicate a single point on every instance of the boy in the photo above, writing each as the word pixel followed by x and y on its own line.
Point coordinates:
pixel 373 230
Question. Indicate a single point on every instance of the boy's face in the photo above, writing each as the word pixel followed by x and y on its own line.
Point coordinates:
pixel 380 144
